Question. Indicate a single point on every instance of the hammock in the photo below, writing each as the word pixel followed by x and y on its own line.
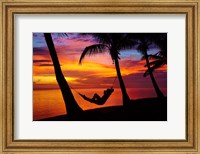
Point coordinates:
pixel 97 99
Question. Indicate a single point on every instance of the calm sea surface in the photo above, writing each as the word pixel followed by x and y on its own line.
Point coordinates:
pixel 49 103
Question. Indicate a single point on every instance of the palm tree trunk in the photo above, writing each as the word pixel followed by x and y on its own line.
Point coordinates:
pixel 155 85
pixel 71 105
pixel 125 96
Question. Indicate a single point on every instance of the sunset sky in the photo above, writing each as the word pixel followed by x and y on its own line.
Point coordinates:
pixel 96 71
pixel 94 75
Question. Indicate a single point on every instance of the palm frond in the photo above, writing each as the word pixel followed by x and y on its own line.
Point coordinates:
pixel 103 38
pixel 155 62
pixel 161 41
pixel 159 56
pixel 154 67
pixel 93 49
pixel 142 47
pixel 127 42
pixel 62 34
pixel 154 56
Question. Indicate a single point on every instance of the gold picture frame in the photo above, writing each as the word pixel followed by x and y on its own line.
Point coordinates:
pixel 8 10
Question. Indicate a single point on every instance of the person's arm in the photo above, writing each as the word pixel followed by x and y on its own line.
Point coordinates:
pixel 96 97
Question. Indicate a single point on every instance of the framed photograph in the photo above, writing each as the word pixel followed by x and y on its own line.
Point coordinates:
pixel 95 76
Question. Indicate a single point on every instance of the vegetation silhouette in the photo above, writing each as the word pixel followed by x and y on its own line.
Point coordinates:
pixel 144 41
pixel 112 43
pixel 159 58
pixel 71 105
pixel 146 109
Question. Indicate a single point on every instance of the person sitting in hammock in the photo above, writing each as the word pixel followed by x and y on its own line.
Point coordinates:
pixel 97 99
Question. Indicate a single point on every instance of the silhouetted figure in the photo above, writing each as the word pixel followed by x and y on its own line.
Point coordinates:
pixel 96 99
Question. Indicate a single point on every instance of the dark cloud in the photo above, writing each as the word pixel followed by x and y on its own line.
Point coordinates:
pixel 46 65
pixel 40 51
pixel 85 39
pixel 136 80
pixel 38 35
pixel 41 61
pixel 45 86
pixel 80 37
pixel 43 51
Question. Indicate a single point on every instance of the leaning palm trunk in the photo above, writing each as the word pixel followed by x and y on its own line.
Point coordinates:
pixel 71 105
pixel 125 96
pixel 158 91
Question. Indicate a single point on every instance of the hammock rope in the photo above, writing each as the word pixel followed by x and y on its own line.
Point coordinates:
pixel 96 98
pixel 81 94
pixel 114 81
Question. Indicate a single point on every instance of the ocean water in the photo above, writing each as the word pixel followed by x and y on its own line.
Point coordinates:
pixel 49 103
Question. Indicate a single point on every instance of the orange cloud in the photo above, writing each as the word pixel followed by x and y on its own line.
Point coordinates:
pixel 51 79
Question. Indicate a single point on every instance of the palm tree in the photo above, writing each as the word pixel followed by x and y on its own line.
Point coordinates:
pixel 159 58
pixel 71 105
pixel 144 40
pixel 112 43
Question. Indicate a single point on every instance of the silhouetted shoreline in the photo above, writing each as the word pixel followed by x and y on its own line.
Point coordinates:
pixel 146 109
